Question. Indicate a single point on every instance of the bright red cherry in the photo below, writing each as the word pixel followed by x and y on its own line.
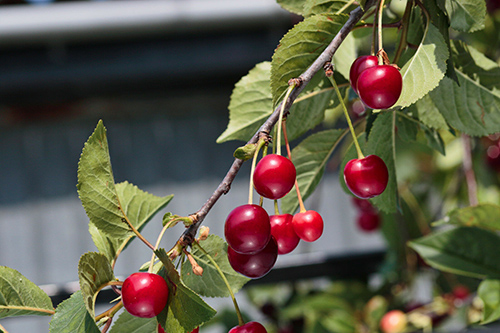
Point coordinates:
pixel 247 229
pixel 368 221
pixel 379 87
pixel 283 232
pixel 274 176
pixel 393 322
pixel 144 294
pixel 358 66
pixel 251 327
pixel 308 225
pixel 461 292
pixel 366 177
pixel 254 265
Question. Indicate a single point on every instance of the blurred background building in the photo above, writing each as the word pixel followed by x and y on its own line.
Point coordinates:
pixel 160 74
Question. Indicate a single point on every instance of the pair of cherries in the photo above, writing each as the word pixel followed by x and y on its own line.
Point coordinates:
pixel 378 86
pixel 255 239
pixel 368 218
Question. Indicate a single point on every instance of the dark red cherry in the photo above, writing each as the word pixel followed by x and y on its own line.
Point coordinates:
pixel 254 265
pixel 363 205
pixel 379 87
pixel 366 177
pixel 461 292
pixel 283 232
pixel 247 229
pixel 358 66
pixel 308 225
pixel 144 294
pixel 251 327
pixel 274 176
pixel 368 221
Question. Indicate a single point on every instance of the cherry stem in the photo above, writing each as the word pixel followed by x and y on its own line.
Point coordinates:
pixel 404 31
pixel 299 195
pixel 261 143
pixel 241 322
pixel 110 312
pixel 348 3
pixel 3 329
pixel 379 26
pixel 470 176
pixel 346 113
pixel 135 231
pixel 280 118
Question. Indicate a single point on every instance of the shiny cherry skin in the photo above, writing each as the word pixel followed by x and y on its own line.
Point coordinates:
pixel 254 265
pixel 144 295
pixel 161 330
pixel 366 177
pixel 250 327
pixel 247 229
pixel 393 322
pixel 379 87
pixel 358 66
pixel 308 225
pixel 283 232
pixel 368 221
pixel 274 176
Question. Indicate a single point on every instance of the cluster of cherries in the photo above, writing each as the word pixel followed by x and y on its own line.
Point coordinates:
pixel 378 86
pixel 255 239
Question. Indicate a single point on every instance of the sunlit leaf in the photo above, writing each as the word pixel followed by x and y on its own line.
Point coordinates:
pixel 126 323
pixel 21 297
pixel 466 15
pixel 489 292
pixel 72 317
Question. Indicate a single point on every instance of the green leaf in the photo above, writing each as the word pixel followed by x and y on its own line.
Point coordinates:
pixel 482 216
pixel 381 143
pixel 310 158
pixel 94 271
pixel 466 15
pixel 185 309
pixel 489 292
pixel 423 72
pixel 139 206
pixel 294 6
pixel 307 112
pixel 21 297
pixel 96 186
pixel 210 284
pixel 434 139
pixel 470 107
pixel 299 48
pixel 476 65
pixel 126 323
pixel 463 250
pixel 407 127
pixel 72 317
pixel 345 56
pixel 250 104
pixel 340 322
pixel 313 7
pixel 429 114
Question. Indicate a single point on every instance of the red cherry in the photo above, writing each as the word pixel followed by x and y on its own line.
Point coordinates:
pixel 254 265
pixel 393 322
pixel 461 292
pixel 274 176
pixel 366 177
pixel 283 232
pixel 247 229
pixel 379 87
pixel 368 221
pixel 144 294
pixel 308 225
pixel 251 327
pixel 358 66
pixel 362 204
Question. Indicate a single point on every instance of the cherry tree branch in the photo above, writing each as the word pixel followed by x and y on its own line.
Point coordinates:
pixel 189 235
